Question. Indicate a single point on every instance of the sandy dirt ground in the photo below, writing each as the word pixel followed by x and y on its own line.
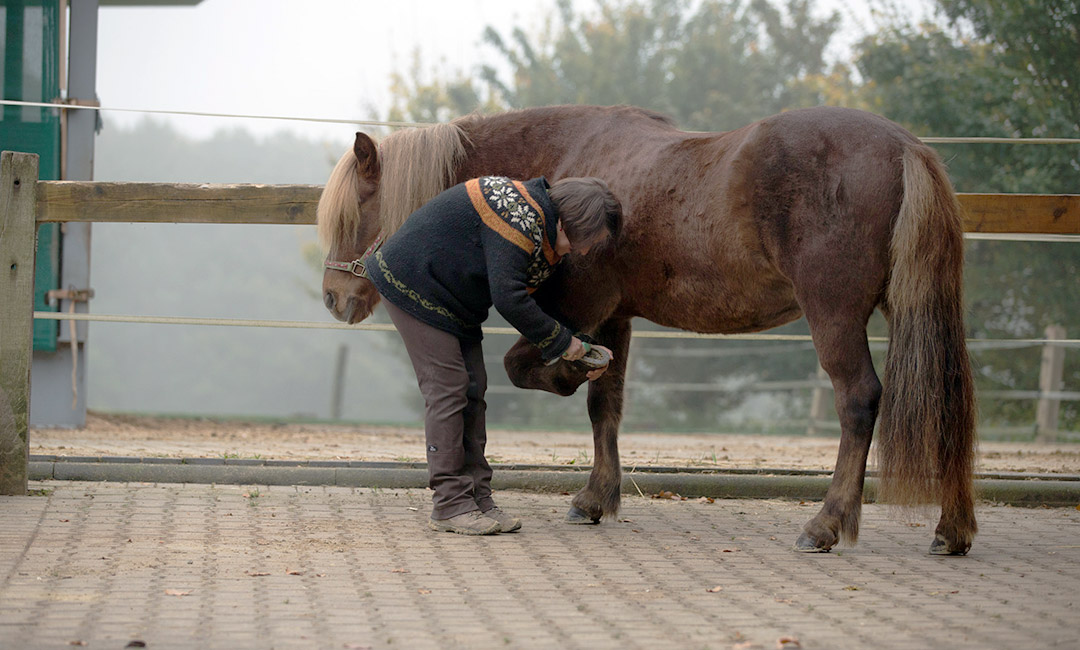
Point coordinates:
pixel 139 436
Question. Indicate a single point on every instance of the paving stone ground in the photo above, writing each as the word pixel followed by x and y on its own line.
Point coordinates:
pixel 203 566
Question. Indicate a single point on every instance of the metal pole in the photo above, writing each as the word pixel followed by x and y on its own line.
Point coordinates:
pixel 338 394
pixel 60 377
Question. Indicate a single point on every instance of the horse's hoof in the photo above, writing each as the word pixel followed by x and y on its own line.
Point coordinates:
pixel 940 546
pixel 806 544
pixel 578 516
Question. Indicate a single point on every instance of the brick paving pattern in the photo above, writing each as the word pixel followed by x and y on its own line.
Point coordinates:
pixel 202 566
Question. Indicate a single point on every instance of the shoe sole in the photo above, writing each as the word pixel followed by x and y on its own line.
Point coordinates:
pixel 445 528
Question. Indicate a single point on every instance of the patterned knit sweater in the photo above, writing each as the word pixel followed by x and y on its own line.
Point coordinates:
pixel 488 241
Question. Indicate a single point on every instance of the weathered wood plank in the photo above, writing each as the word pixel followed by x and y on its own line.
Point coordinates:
pixel 1052 214
pixel 176 202
pixel 18 175
pixel 295 204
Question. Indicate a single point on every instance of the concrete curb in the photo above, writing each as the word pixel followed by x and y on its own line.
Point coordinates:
pixel 1024 492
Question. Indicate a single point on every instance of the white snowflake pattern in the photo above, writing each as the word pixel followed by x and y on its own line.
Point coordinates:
pixel 503 197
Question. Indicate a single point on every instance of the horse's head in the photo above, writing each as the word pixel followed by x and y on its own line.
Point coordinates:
pixel 348 223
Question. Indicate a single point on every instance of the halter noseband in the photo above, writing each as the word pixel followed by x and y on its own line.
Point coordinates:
pixel 357 267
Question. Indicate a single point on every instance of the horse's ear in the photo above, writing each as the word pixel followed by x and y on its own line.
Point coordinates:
pixel 367 157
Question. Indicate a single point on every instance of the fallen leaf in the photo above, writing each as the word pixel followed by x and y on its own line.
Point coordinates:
pixel 787 642
pixel 177 592
pixel 320 575
pixel 851 588
pixel 715 589
pixel 772 538
pixel 786 601
pixel 423 591
pixel 294 573
pixel 256 574
pixel 730 550
pixel 706 500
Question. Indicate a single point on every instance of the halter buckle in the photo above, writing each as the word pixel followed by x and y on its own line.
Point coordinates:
pixel 356 267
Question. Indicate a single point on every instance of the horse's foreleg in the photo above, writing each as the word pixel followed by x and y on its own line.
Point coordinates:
pixel 600 496
pixel 844 354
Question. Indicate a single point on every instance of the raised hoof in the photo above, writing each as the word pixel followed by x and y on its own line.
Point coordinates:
pixel 578 516
pixel 806 544
pixel 940 546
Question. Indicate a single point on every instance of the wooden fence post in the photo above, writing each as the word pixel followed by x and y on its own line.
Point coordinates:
pixel 1051 373
pixel 820 399
pixel 18 233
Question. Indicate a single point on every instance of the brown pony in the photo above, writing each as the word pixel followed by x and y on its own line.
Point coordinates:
pixel 826 212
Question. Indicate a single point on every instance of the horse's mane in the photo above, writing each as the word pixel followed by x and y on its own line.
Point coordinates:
pixel 416 165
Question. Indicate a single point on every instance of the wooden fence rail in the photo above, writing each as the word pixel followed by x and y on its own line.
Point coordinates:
pixel 25 202
pixel 63 201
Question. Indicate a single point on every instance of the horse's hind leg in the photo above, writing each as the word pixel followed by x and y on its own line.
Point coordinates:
pixel 843 351
pixel 600 496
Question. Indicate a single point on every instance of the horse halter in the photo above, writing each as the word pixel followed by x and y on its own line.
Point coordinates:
pixel 357 267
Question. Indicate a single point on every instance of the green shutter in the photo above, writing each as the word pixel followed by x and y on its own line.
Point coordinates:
pixel 31 73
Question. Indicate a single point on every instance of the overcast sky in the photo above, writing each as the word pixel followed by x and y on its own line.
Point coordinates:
pixel 318 58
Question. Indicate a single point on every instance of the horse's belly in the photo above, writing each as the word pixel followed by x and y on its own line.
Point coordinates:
pixel 707 303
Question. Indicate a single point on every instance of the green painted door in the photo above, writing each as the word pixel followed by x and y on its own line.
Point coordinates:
pixel 30 72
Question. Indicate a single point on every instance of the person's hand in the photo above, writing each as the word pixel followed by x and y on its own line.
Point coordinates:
pixel 575 351
pixel 593 375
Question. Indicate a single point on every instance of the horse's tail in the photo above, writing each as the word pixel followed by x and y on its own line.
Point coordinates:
pixel 926 441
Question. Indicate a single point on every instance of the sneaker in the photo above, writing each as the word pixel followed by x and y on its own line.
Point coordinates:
pixel 467 523
pixel 507 524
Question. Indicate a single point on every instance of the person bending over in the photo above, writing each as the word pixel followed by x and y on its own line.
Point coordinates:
pixel 487 241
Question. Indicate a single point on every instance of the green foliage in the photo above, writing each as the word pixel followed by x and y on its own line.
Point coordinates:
pixel 711 65
pixel 998 68
pixel 415 98
pixel 1041 40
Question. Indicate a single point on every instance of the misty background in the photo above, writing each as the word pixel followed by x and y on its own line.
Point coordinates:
pixel 940 68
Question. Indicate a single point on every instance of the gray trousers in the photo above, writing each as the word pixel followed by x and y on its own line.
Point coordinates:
pixel 452 379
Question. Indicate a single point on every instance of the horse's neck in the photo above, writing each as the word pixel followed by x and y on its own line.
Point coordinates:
pixel 509 150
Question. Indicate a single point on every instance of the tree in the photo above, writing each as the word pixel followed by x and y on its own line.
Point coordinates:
pixel 717 67
pixel 424 98
pixel 997 68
